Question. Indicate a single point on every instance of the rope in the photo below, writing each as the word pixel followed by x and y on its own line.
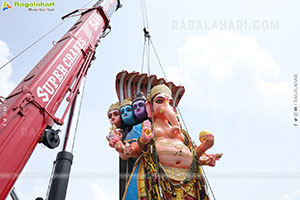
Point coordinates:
pixel 38 40
pixel 87 4
pixel 148 45
pixel 205 177
pixel 184 124
pixel 27 48
pixel 143 57
pixel 157 57
pixel 146 48
pixel 144 13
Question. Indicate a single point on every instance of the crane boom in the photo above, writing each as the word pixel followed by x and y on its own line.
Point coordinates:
pixel 32 105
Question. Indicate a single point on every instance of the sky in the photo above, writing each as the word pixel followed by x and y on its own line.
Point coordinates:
pixel 237 61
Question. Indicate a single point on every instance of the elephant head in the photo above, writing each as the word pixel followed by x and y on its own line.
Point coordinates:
pixel 161 110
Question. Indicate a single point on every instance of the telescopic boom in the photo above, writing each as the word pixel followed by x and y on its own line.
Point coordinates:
pixel 32 105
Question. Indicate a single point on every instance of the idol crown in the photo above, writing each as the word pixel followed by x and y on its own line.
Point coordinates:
pixel 126 102
pixel 159 89
pixel 114 106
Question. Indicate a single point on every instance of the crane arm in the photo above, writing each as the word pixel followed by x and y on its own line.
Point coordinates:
pixel 32 105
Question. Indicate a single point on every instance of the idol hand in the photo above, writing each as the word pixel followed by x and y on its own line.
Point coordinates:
pixel 110 137
pixel 207 160
pixel 206 144
pixel 119 146
pixel 128 149
pixel 147 134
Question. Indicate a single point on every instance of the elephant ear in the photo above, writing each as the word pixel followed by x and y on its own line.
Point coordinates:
pixel 149 109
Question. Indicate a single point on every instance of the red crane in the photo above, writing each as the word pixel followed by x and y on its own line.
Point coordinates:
pixel 30 108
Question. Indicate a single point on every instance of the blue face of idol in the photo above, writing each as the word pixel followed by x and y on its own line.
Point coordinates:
pixel 127 114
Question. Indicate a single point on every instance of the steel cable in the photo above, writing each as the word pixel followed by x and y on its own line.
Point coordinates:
pixel 38 40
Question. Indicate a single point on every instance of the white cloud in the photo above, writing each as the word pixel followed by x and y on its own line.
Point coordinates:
pixel 100 194
pixel 295 195
pixel 222 68
pixel 6 85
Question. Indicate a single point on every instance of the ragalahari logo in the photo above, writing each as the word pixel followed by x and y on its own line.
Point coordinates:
pixel 6 6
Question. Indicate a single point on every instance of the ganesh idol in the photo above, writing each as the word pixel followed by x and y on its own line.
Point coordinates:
pixel 168 165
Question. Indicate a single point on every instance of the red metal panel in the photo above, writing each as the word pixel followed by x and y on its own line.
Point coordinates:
pixel 22 119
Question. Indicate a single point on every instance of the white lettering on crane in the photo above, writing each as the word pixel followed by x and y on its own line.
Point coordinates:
pixel 87 32
pixel 95 21
pixel 54 81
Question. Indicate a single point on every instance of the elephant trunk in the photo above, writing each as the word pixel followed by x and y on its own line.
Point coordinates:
pixel 173 122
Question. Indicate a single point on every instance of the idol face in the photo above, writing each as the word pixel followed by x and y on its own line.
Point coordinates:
pixel 127 114
pixel 114 118
pixel 163 109
pixel 139 109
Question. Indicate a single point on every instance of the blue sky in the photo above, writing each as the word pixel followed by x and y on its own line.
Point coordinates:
pixel 236 61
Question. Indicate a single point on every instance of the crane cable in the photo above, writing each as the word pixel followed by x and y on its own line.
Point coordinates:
pixel 147 44
pixel 143 56
pixel 204 174
pixel 38 40
pixel 147 38
pixel 185 126
pixel 144 13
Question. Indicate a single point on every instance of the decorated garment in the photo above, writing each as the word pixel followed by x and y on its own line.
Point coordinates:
pixel 133 134
pixel 174 183
pixel 126 166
